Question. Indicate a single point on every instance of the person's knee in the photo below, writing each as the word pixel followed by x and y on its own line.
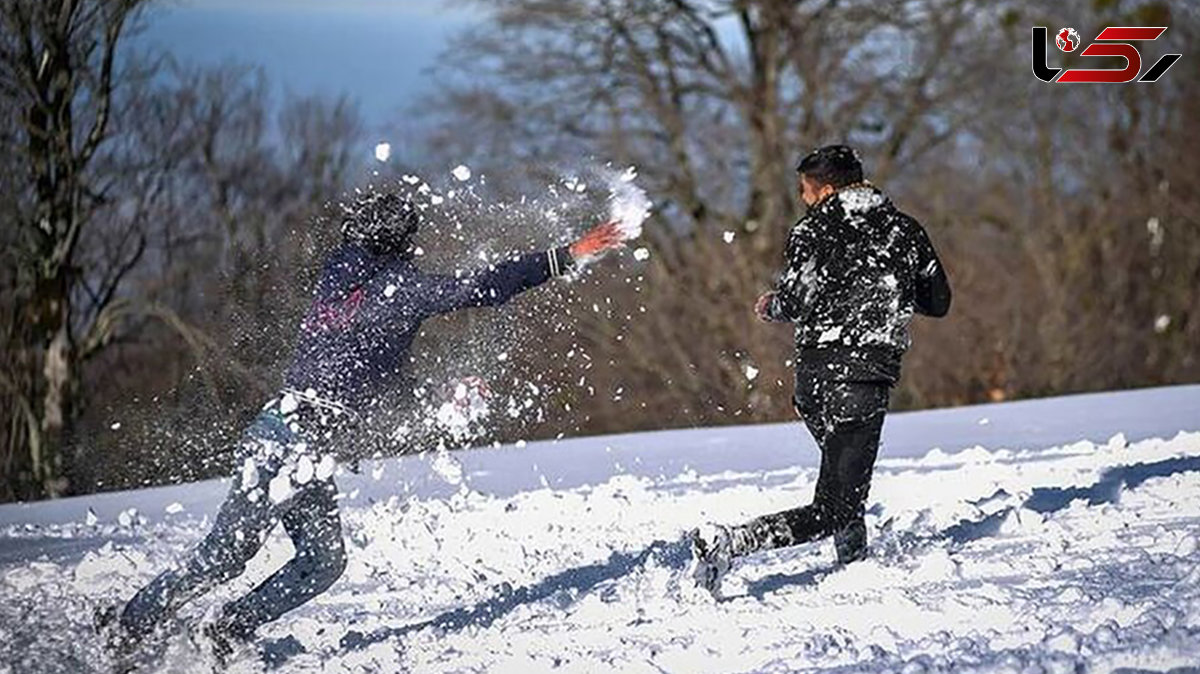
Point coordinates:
pixel 337 563
pixel 326 566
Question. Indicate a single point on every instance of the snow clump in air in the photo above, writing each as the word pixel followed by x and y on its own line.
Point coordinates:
pixel 628 204
pixel 383 151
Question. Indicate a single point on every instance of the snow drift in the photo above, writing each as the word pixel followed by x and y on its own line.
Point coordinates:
pixel 1028 555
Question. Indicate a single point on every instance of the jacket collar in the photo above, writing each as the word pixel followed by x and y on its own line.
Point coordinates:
pixel 856 198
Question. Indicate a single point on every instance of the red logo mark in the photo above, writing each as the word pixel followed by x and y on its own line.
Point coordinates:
pixel 336 315
pixel 1067 39
pixel 1119 37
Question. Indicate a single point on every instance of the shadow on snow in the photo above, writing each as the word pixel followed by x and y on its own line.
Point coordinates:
pixel 562 588
pixel 1051 499
pixel 565 587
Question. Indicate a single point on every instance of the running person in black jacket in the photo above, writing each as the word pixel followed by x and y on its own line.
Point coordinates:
pixel 353 345
pixel 857 271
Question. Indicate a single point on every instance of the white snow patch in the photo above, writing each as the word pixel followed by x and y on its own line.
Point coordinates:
pixel 641 254
pixel 1080 557
pixel 461 173
pixel 304 470
pixel 128 517
pixel 383 151
pixel 860 199
pixel 448 468
pixel 249 474
pixel 288 403
pixel 628 204
pixel 325 467
pixel 279 489
pixel 830 334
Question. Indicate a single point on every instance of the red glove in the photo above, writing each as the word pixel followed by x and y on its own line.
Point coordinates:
pixel 762 305
pixel 597 240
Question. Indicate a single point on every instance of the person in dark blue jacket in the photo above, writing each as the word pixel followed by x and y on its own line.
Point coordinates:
pixel 353 344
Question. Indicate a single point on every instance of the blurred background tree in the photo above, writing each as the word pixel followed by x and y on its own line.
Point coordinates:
pixel 1050 204
pixel 163 219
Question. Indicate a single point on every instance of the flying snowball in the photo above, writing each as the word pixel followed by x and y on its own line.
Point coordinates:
pixel 461 173
pixel 383 151
pixel 728 236
pixel 628 204
pixel 641 254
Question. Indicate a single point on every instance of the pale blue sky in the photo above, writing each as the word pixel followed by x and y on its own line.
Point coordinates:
pixel 378 51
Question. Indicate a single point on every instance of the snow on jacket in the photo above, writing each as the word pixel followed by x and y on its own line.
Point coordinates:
pixel 367 309
pixel 857 271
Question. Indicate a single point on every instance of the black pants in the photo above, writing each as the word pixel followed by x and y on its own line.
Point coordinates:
pixel 845 418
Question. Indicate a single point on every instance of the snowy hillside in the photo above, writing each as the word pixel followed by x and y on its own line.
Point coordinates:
pixel 1039 536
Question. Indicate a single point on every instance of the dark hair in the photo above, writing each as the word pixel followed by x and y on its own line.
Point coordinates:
pixel 834 165
pixel 383 222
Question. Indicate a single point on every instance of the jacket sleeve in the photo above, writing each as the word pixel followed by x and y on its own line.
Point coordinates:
pixel 493 285
pixel 792 288
pixel 932 288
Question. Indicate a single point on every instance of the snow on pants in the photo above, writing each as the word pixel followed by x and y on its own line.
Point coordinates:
pixel 276 483
pixel 845 418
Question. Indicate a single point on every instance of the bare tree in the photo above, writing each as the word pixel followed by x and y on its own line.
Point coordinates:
pixel 145 199
pixel 58 69
pixel 1041 198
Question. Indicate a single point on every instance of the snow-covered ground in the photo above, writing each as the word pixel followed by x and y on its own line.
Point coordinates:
pixel 1039 536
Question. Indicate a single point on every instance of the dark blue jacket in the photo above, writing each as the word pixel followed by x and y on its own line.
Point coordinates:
pixel 355 338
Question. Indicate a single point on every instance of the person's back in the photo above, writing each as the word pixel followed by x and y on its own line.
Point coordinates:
pixel 858 269
pixel 356 332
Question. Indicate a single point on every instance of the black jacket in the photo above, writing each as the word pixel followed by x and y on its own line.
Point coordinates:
pixel 354 342
pixel 857 271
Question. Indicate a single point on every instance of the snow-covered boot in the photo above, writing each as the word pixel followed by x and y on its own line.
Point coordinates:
pixel 220 641
pixel 712 555
pixel 126 651
pixel 851 541
pixel 106 620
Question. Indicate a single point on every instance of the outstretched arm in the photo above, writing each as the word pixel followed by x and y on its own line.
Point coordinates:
pixel 500 282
